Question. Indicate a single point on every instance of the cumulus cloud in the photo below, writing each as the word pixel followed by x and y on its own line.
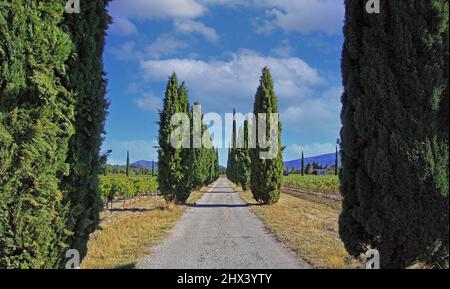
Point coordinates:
pixel 156 9
pixel 306 16
pixel 123 27
pixel 189 26
pixel 126 51
pixel 218 83
pixel 284 49
pixel 150 102
pixel 164 45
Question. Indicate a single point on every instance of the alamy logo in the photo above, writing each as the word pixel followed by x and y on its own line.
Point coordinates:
pixel 373 7
pixel 73 6
pixel 373 259
pixel 74 259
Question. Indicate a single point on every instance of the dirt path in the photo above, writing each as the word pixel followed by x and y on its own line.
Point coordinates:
pixel 220 232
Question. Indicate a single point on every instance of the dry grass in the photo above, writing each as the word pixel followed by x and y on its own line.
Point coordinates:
pixel 309 228
pixel 128 233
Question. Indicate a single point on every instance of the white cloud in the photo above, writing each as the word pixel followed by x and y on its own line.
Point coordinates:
pixel 224 84
pixel 156 9
pixel 189 26
pixel 284 49
pixel 304 16
pixel 164 45
pixel 293 151
pixel 126 51
pixel 123 26
pixel 149 102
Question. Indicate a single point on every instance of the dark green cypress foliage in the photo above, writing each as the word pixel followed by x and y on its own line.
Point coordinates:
pixel 243 159
pixel 303 164
pixel 127 168
pixel 200 160
pixel 336 162
pixel 395 162
pixel 228 169
pixel 184 188
pixel 266 175
pixel 170 172
pixel 36 116
pixel 153 168
pixel 233 157
pixel 217 165
pixel 87 82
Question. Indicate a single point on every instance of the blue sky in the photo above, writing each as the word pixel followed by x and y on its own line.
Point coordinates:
pixel 218 47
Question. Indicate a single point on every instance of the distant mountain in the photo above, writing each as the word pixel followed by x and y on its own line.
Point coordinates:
pixel 323 160
pixel 145 164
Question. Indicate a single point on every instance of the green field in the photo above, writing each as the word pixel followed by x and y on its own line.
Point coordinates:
pixel 327 184
pixel 121 186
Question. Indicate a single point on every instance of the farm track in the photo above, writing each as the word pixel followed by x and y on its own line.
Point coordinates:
pixel 332 201
pixel 220 232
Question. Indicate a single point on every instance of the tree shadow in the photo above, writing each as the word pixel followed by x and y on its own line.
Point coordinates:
pixel 126 266
pixel 134 210
pixel 221 205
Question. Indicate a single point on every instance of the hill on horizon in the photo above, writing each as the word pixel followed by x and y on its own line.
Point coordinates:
pixel 323 160
pixel 327 160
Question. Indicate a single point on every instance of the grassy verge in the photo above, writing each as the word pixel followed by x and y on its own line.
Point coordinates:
pixel 127 234
pixel 308 228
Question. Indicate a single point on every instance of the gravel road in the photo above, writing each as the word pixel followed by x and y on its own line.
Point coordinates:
pixel 220 232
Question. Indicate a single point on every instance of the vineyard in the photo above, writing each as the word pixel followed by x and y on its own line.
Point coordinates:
pixel 122 187
pixel 326 185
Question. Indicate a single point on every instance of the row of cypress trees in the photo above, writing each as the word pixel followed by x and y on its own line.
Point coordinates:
pixel 394 180
pixel 182 170
pixel 52 111
pixel 245 165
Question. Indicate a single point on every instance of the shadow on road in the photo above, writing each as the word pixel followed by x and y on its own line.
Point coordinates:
pixel 221 205
pixel 132 209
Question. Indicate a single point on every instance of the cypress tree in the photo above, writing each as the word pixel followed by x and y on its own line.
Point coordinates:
pixel 303 164
pixel 244 160
pixel 217 165
pixel 395 161
pixel 170 172
pixel 127 168
pixel 87 82
pixel 266 174
pixel 36 116
pixel 233 157
pixel 336 162
pixel 228 169
pixel 184 188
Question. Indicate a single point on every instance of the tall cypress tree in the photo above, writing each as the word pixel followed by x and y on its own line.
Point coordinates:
pixel 266 174
pixel 303 164
pixel 170 172
pixel 36 123
pixel 395 161
pixel 336 162
pixel 243 159
pixel 62 112
pixel 127 168
pixel 87 82
pixel 184 188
